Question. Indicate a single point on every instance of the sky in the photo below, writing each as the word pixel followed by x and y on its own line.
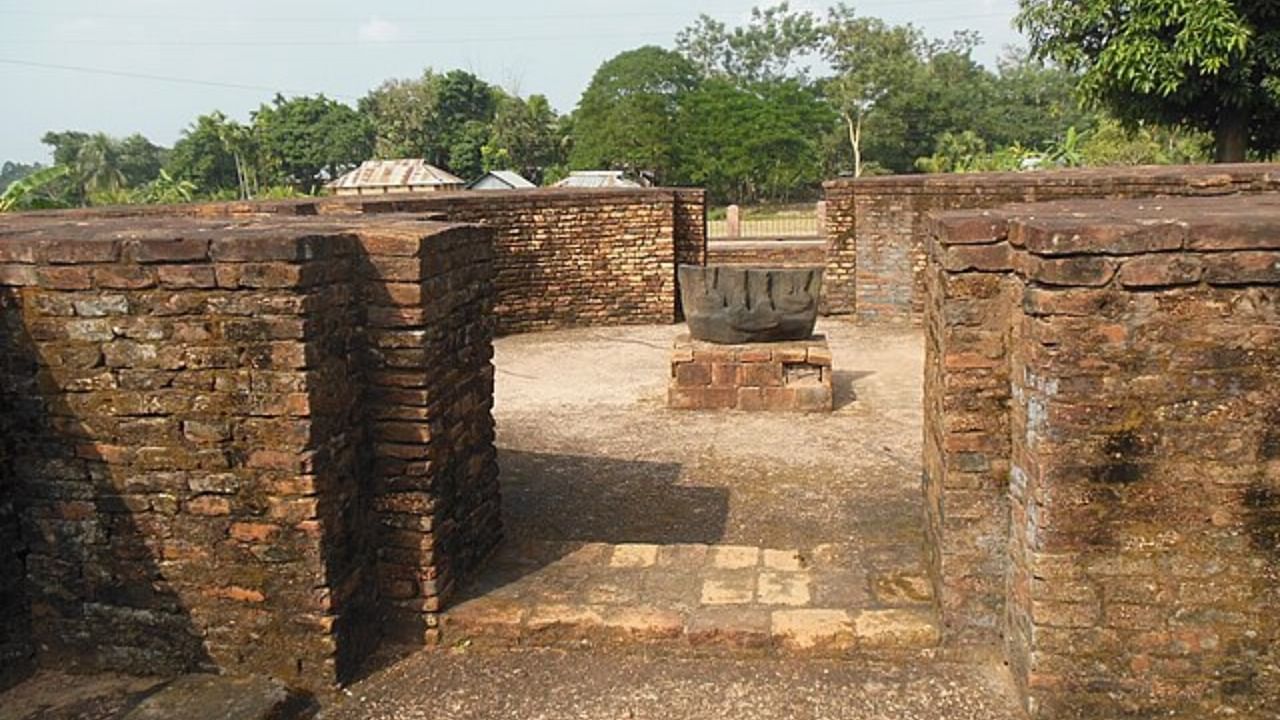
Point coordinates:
pixel 152 66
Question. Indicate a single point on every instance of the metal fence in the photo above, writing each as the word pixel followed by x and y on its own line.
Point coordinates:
pixel 790 225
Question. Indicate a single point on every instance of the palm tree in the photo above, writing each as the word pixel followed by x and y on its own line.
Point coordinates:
pixel 97 167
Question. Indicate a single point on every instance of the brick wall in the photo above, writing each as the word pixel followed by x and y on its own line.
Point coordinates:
pixel 563 257
pixel 770 253
pixel 1102 391
pixel 876 225
pixel 262 445
pixel 16 649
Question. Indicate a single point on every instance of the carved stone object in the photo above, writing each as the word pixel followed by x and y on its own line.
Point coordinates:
pixel 733 305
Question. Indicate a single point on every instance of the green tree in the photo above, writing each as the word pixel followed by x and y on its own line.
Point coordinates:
pixel 306 140
pixel 401 112
pixel 201 156
pixel 1208 64
pixel 140 159
pixel 626 116
pixel 35 190
pixel 525 137
pixel 1032 103
pixel 749 145
pixel 871 61
pixel 771 46
pixel 12 172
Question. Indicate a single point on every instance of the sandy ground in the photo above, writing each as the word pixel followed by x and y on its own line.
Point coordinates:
pixel 590 452
pixel 553 685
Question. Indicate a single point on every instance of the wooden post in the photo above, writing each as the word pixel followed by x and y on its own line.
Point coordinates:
pixel 733 220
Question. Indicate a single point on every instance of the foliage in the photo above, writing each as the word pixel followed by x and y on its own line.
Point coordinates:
pixel 1113 144
pixel 770 48
pixel 13 171
pixel 525 137
pixel 442 118
pixel 1213 65
pixel 30 191
pixel 748 145
pixel 203 158
pixel 166 189
pixel 627 114
pixel 308 140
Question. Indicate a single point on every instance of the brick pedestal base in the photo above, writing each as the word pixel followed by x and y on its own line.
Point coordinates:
pixel 784 377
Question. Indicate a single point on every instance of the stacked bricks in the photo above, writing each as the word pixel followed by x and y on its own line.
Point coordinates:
pixel 430 378
pixel 781 377
pixel 878 233
pixel 562 257
pixel 768 253
pixel 212 463
pixel 17 652
pixel 1137 452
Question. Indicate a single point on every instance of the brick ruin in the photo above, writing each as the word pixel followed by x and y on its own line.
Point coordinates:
pixel 259 437
pixel 1102 450
pixel 264 446
pixel 877 226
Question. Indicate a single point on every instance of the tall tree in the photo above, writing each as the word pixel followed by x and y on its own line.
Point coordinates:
pixel 202 157
pixel 751 144
pixel 871 60
pixel 626 116
pixel 11 172
pixel 524 137
pixel 773 45
pixel 306 140
pixel 1208 64
pixel 401 112
pixel 140 159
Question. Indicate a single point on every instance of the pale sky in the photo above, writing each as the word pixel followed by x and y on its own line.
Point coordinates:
pixel 232 55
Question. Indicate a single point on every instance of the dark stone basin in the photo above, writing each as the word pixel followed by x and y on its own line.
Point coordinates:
pixel 733 305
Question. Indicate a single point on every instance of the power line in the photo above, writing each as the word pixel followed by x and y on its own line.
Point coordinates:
pixel 402 43
pixel 339 43
pixel 303 19
pixel 159 78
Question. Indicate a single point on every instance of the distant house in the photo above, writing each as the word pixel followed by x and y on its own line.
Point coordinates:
pixel 379 177
pixel 597 179
pixel 499 180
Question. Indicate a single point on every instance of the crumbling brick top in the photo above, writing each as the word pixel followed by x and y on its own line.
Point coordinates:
pixel 1124 227
pixel 58 239
pixel 1209 179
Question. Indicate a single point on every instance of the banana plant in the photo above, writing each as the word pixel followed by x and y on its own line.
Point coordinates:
pixel 22 192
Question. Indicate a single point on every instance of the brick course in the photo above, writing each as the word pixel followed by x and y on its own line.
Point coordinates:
pixel 563 258
pixel 778 377
pixel 879 238
pixel 263 446
pixel 1101 450
pixel 768 254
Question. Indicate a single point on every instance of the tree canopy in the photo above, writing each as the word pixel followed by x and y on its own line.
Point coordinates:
pixel 627 114
pixel 757 112
pixel 1208 64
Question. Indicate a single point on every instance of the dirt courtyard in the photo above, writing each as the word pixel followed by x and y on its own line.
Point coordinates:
pixel 590 452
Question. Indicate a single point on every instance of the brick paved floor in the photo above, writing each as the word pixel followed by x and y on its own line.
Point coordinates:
pixel 627 521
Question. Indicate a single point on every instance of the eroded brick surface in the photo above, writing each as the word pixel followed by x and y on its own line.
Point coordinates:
pixel 267 471
pixel 878 234
pixel 1100 451
pixel 762 377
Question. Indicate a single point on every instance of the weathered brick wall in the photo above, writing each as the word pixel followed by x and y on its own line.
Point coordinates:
pixel 246 445
pixel 17 652
pixel 770 253
pixel 1137 451
pixel 876 225
pixel 563 257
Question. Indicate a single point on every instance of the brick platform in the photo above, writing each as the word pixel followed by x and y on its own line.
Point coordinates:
pixel 778 377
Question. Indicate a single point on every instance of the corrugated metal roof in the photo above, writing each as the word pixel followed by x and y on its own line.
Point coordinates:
pixel 506 177
pixel 395 173
pixel 597 179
